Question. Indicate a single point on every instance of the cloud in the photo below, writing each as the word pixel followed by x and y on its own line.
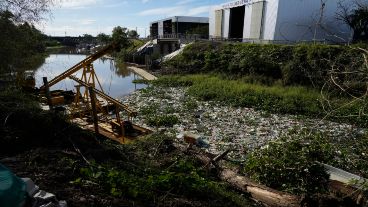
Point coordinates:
pixel 145 1
pixel 87 21
pixel 198 10
pixel 176 10
pixel 116 4
pixel 77 4
pixel 182 2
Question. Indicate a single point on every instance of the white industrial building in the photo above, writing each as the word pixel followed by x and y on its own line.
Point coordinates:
pixel 179 25
pixel 278 20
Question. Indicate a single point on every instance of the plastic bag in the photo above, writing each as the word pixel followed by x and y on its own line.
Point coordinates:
pixel 12 189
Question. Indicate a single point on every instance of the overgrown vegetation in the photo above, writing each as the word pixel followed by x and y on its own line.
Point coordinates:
pixel 22 45
pixel 149 171
pixel 160 175
pixel 292 162
pixel 306 65
pixel 162 120
pixel 276 98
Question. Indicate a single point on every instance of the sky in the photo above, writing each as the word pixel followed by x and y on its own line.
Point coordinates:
pixel 78 17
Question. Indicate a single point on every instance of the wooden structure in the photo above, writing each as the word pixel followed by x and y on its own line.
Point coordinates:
pixel 92 105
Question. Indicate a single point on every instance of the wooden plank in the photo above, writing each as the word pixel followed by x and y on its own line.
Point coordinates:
pixel 106 97
pixel 144 74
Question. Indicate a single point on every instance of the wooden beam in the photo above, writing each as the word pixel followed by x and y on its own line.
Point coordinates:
pixel 106 97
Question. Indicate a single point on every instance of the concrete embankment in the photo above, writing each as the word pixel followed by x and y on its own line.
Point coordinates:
pixel 144 74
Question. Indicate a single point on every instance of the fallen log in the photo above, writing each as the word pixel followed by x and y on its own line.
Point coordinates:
pixel 260 193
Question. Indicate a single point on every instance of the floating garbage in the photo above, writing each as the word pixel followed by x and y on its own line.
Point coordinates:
pixel 221 125
pixel 194 139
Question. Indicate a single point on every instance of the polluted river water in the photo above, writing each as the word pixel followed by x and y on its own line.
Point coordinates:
pixel 116 80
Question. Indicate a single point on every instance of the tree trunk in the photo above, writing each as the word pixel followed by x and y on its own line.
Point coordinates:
pixel 261 193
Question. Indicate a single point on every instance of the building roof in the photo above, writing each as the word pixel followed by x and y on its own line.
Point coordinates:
pixel 184 19
pixel 237 3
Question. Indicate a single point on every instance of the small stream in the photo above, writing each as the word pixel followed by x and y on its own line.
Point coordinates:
pixel 116 81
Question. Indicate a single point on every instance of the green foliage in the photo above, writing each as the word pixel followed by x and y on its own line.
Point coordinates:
pixel 120 37
pixel 157 176
pixel 354 14
pixel 149 110
pixel 274 98
pixel 22 45
pixel 103 38
pixel 26 125
pixel 162 120
pixel 292 160
pixel 190 104
pixel 351 154
pixel 289 163
pixel 133 34
pixel 237 93
pixel 307 65
pixel 141 81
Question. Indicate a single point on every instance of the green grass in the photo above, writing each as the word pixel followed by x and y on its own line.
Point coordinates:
pixel 276 98
pixel 153 172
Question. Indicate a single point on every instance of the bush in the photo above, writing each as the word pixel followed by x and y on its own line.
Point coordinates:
pixel 307 65
pixel 289 163
pixel 275 98
pixel 162 120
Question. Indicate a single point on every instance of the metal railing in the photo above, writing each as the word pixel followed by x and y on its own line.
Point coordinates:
pixel 263 41
pixel 182 36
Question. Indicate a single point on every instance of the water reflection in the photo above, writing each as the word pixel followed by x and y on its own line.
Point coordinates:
pixel 116 80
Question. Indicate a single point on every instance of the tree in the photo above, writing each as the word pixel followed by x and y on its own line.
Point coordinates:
pixel 355 15
pixel 119 36
pixel 87 38
pixel 133 34
pixel 21 44
pixel 103 38
pixel 27 10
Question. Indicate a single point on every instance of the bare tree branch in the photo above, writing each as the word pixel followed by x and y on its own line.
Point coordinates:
pixel 27 10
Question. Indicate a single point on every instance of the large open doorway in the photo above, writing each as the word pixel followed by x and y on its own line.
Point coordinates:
pixel 168 27
pixel 154 30
pixel 236 26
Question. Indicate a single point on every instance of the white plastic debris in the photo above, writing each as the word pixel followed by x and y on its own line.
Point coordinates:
pixel 31 188
pixel 244 128
pixel 42 198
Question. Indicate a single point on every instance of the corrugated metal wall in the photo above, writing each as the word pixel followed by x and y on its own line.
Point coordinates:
pixel 298 21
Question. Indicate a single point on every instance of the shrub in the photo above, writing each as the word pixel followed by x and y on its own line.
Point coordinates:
pixel 289 163
pixel 162 120
pixel 307 65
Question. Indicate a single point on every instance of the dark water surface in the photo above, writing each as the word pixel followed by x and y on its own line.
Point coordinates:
pixel 116 81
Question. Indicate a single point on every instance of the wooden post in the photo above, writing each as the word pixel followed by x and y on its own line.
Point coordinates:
pixel 47 91
pixel 94 111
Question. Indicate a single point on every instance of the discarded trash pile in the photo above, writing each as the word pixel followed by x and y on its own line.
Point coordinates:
pixel 224 127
